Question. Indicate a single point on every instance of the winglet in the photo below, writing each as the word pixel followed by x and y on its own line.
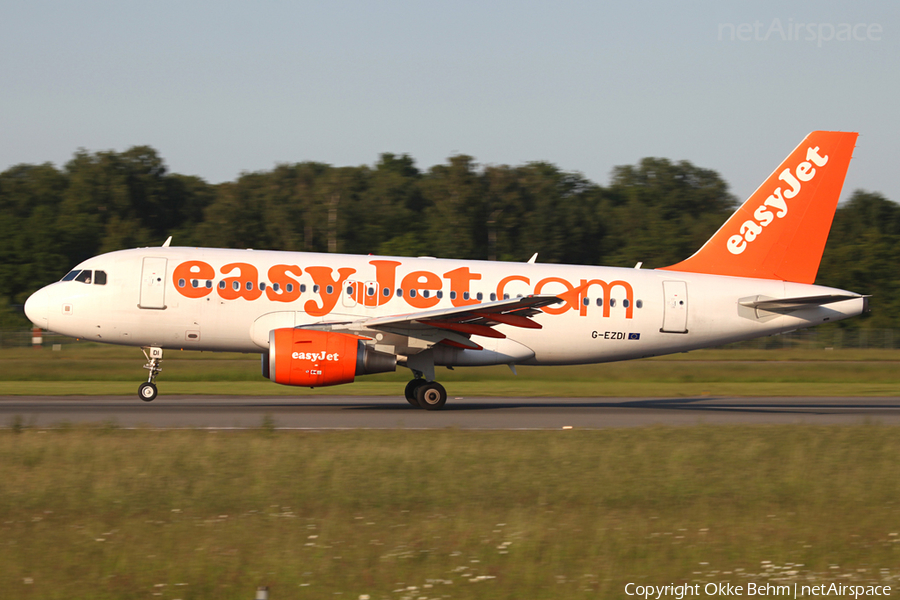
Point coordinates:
pixel 780 231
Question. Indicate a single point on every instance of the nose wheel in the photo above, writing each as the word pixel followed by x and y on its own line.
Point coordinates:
pixel 147 391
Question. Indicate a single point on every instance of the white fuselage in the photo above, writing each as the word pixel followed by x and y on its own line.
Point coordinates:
pixel 186 298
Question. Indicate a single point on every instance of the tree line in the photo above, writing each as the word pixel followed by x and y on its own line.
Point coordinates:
pixel 657 212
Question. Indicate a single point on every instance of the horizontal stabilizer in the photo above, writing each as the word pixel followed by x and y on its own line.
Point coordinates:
pixel 786 305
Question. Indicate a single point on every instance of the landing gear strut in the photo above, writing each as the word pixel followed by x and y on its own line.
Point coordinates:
pixel 147 391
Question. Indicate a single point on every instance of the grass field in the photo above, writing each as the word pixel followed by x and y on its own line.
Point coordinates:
pixel 104 513
pixel 97 369
pixel 99 512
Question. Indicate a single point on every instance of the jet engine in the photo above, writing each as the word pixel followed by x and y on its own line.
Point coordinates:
pixel 312 358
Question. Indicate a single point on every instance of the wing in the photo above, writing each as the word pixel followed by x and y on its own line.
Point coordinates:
pixel 413 332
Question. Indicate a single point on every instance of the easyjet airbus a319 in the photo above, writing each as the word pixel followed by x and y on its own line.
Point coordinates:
pixel 323 319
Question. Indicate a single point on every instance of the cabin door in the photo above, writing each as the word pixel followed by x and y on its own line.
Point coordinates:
pixel 675 307
pixel 153 283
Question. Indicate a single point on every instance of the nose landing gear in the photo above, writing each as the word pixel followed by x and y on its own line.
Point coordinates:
pixel 147 391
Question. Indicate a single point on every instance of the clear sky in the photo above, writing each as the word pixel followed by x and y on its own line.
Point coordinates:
pixel 220 87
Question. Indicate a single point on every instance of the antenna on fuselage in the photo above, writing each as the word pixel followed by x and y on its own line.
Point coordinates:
pixel 533 259
pixel 167 242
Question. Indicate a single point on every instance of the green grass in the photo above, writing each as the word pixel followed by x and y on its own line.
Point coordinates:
pixel 96 369
pixel 104 513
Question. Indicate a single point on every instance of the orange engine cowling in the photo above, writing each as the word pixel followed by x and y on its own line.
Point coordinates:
pixel 312 358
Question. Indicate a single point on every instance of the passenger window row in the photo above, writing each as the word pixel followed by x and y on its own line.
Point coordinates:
pixel 195 283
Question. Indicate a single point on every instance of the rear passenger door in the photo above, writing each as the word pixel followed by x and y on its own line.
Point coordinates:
pixel 676 307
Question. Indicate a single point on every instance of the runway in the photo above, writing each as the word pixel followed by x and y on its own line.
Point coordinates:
pixel 378 412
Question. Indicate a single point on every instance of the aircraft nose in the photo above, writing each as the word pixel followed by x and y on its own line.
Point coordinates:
pixel 37 308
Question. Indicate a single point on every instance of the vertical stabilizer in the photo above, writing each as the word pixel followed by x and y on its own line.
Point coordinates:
pixel 780 231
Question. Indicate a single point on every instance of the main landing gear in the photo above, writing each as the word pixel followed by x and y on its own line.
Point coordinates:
pixel 147 391
pixel 429 395
pixel 424 391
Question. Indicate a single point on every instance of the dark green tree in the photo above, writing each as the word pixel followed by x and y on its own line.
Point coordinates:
pixel 661 212
pixel 456 220
pixel 863 255
pixel 390 211
pixel 31 254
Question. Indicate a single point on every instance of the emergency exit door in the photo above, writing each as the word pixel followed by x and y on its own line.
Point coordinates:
pixel 675 308
pixel 153 283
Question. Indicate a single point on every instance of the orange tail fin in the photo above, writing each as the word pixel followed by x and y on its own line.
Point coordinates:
pixel 780 231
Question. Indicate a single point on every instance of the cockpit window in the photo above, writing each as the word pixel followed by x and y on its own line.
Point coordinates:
pixel 85 276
